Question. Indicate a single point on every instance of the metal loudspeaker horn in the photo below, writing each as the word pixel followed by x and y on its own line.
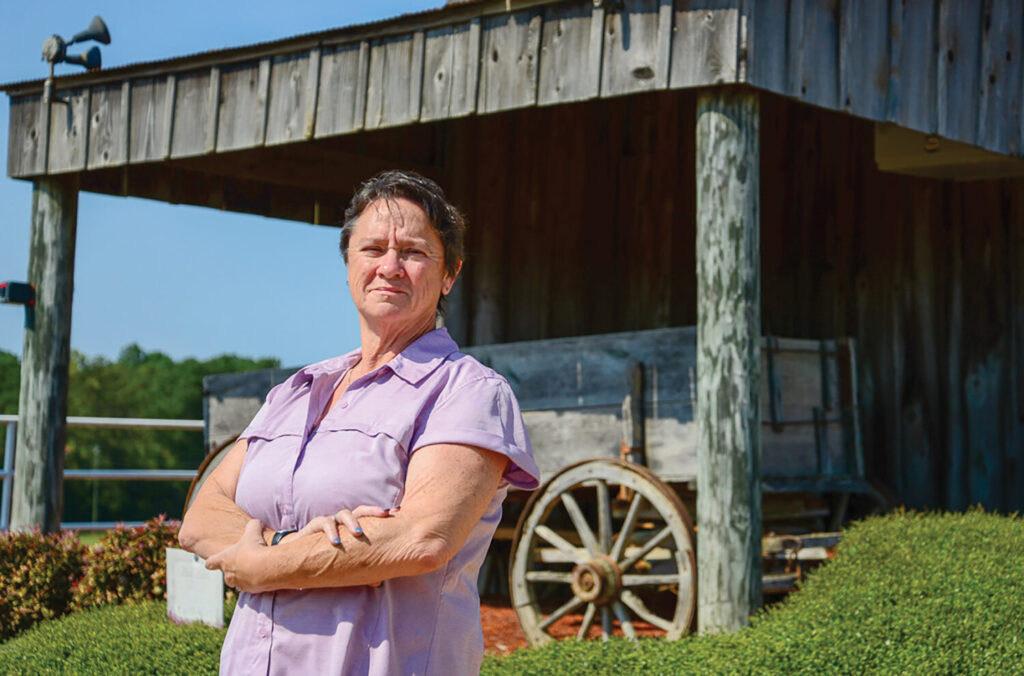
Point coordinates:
pixel 97 31
pixel 90 58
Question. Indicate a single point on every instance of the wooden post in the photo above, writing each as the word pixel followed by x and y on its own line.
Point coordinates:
pixel 42 408
pixel 728 359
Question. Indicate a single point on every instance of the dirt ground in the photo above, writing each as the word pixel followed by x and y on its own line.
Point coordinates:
pixel 502 634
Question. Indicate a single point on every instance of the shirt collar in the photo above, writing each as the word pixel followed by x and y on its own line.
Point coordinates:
pixel 423 356
pixel 417 361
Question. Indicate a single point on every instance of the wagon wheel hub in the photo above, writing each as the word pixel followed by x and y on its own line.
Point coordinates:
pixel 598 580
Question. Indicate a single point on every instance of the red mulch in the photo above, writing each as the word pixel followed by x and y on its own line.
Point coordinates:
pixel 502 634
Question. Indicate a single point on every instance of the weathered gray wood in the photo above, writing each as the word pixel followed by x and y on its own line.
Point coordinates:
pixel 631 49
pixel 571 391
pixel 768 44
pixel 170 100
pixel 1002 48
pixel 341 104
pixel 311 93
pixel 390 87
pixel 149 125
pixel 107 122
pixel 449 80
pixel 288 104
pixel 68 125
pixel 912 75
pixel 212 111
pixel 243 107
pixel 39 459
pixel 864 40
pixel 704 49
pixel 728 369
pixel 957 78
pixel 565 54
pixel 126 114
pixel 510 48
pixel 190 132
pixel 25 153
pixel 812 53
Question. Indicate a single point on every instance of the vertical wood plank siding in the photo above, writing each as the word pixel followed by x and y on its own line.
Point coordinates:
pixel 107 120
pixel 935 66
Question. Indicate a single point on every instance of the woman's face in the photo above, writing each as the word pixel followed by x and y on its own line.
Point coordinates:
pixel 396 265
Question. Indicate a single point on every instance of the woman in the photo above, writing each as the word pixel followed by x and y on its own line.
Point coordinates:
pixel 404 421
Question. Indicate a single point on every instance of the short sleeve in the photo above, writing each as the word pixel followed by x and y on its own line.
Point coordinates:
pixel 482 412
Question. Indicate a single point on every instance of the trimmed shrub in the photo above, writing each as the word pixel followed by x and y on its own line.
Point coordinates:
pixel 37 573
pixel 137 639
pixel 127 565
pixel 906 593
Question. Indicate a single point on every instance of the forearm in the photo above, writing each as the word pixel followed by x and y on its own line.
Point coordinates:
pixel 393 547
pixel 212 524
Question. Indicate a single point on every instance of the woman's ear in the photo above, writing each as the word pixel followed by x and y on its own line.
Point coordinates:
pixel 449 282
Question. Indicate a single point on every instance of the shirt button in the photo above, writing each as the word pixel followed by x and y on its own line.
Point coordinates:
pixel 344 404
pixel 262 632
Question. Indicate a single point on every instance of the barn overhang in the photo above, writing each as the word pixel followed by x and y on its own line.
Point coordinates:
pixel 286 128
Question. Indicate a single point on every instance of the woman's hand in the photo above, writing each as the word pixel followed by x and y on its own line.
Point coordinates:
pixel 331 525
pixel 240 562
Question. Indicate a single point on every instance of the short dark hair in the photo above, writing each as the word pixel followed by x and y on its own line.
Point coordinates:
pixel 447 221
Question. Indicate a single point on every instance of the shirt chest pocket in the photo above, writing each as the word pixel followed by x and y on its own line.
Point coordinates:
pixel 345 465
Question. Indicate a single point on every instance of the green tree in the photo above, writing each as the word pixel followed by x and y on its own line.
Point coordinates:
pixel 138 384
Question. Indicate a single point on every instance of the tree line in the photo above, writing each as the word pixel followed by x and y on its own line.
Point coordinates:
pixel 138 384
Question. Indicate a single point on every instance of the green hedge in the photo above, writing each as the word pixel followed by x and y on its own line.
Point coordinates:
pixel 45 576
pixel 907 593
pixel 136 639
pixel 37 578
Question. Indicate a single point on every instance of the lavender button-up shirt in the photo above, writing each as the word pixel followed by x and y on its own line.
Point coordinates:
pixel 424 624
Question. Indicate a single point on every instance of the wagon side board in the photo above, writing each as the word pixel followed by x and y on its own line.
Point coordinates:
pixel 571 392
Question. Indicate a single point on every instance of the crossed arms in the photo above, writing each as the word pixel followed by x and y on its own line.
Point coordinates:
pixel 448 488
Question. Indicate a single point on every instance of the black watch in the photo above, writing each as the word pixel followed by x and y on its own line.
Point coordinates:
pixel 280 534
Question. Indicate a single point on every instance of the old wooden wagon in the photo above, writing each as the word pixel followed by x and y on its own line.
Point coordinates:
pixel 611 419
pixel 805 168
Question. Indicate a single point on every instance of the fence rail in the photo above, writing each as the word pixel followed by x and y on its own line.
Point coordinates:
pixel 7 473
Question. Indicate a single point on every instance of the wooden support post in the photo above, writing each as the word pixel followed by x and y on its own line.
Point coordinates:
pixel 42 409
pixel 728 359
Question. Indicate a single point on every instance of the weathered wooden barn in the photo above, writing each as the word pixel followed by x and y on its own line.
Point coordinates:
pixel 888 134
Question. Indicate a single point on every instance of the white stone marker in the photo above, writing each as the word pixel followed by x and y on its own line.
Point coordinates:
pixel 194 594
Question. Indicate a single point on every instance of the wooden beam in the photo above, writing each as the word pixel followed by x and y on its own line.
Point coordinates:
pixel 728 359
pixel 39 459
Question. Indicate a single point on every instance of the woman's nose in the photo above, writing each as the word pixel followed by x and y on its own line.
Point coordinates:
pixel 390 264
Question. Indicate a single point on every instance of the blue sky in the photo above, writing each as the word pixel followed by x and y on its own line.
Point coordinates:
pixel 182 280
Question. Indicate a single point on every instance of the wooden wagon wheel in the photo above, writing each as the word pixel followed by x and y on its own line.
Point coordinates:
pixel 610 540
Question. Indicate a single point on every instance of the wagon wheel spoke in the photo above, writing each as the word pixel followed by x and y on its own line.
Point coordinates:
pixel 592 565
pixel 549 576
pixel 560 543
pixel 580 522
pixel 623 616
pixel 641 610
pixel 630 561
pixel 567 607
pixel 648 580
pixel 604 516
pixel 588 619
pixel 627 528
pixel 606 623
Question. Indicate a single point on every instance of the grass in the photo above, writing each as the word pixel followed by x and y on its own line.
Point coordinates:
pixel 907 594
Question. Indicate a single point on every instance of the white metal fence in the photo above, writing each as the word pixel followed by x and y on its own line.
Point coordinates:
pixel 7 474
